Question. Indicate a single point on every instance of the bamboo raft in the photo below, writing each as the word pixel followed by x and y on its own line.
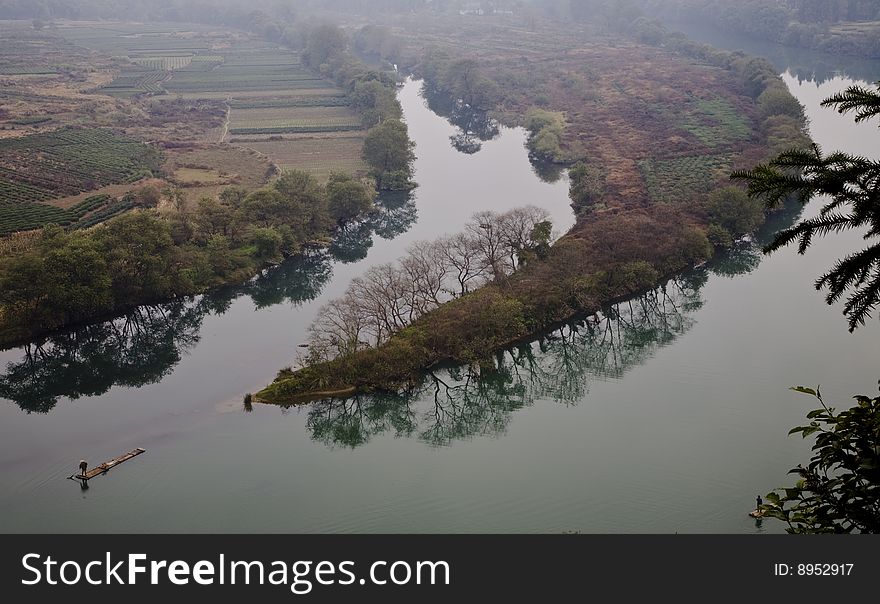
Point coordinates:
pixel 107 465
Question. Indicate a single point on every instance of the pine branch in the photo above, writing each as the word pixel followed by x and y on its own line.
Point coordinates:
pixel 864 102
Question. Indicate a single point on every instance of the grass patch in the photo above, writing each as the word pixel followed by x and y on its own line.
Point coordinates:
pixel 197 175
pixel 679 179
pixel 716 121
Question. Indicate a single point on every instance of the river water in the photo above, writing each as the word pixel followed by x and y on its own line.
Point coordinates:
pixel 666 414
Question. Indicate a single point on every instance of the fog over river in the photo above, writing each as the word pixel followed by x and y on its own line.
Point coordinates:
pixel 669 414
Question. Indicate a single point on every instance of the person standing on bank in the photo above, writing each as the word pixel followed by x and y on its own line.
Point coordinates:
pixel 83 465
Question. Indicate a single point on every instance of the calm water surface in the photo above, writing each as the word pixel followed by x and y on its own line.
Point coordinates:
pixel 665 414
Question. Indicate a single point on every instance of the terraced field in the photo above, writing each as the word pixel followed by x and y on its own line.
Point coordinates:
pixel 281 120
pixel 171 84
pixel 69 161
pixel 270 94
pixel 15 217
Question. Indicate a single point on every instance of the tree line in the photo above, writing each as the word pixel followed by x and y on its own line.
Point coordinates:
pixel 149 255
pixel 390 297
pixel 801 23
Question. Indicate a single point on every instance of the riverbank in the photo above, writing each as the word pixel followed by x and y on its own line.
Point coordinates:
pixel 851 31
pixel 471 328
pixel 170 247
pixel 643 211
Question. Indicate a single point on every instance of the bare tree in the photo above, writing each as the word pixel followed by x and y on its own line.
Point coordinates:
pixel 516 229
pixel 338 329
pixel 389 297
pixel 459 254
pixel 426 267
pixel 486 233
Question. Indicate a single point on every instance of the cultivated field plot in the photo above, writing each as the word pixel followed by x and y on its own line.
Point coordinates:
pixel 281 120
pixel 247 66
pixel 15 217
pixel 24 51
pixel 319 155
pixel 208 169
pixel 83 96
pixel 856 27
pixel 120 39
pixel 237 166
pixel 164 63
pixel 146 55
pixel 69 161
pixel 716 120
pixel 337 99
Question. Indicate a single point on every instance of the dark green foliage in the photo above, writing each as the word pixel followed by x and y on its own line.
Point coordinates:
pixel 266 241
pixel 851 184
pixel 375 101
pixel 461 79
pixel 324 41
pixel 863 101
pixel 390 154
pixel 545 134
pixel 347 198
pixel 839 490
pixel 143 257
pixel 734 211
pixel 555 284
pixel 719 236
pixel 777 100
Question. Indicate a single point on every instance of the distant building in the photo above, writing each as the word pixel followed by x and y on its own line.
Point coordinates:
pixel 472 9
pixel 480 9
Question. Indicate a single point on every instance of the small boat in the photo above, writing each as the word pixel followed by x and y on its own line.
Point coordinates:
pixel 107 465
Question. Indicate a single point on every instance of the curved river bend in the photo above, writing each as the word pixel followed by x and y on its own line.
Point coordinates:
pixel 668 414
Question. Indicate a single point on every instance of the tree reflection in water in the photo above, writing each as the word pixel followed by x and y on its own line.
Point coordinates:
pixel 137 349
pixel 466 402
pixel 473 128
pixel 396 214
pixel 145 345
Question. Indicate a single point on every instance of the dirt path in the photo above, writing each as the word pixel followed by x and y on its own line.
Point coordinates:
pixel 226 123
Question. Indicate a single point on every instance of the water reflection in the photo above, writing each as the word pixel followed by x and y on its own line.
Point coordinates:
pixel 805 64
pixel 397 214
pixel 464 402
pixel 460 403
pixel 144 345
pixel 473 128
pixel 135 350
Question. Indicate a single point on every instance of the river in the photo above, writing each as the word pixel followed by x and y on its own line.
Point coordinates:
pixel 669 415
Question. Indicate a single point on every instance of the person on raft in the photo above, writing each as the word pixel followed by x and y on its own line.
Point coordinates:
pixel 759 502
pixel 83 465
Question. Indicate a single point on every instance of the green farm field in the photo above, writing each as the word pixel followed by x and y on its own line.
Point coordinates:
pixel 69 161
pixel 279 120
